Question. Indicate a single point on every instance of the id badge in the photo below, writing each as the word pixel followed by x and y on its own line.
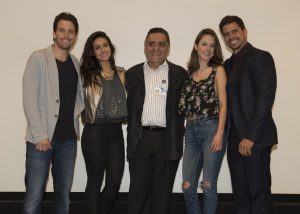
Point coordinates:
pixel 162 88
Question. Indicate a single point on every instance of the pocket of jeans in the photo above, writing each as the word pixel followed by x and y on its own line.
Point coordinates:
pixel 210 126
pixel 188 126
pixel 188 131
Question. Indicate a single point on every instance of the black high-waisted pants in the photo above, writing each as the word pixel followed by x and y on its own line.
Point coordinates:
pixel 103 151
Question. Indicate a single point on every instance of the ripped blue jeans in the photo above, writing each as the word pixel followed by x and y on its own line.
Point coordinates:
pixel 198 157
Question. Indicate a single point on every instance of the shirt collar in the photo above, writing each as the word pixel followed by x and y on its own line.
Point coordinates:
pixel 162 66
pixel 243 52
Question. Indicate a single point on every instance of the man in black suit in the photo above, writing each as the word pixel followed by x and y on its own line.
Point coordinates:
pixel 155 129
pixel 252 131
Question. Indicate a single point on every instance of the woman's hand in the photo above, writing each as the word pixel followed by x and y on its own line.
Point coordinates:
pixel 217 143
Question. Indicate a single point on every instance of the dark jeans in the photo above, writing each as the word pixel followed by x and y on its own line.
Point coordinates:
pixel 62 157
pixel 250 177
pixel 151 175
pixel 103 151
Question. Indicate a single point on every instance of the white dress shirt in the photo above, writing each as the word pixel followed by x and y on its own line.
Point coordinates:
pixel 156 86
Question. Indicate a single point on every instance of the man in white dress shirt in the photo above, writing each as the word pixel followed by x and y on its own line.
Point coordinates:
pixel 155 129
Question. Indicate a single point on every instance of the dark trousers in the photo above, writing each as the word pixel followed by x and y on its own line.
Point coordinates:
pixel 151 175
pixel 103 151
pixel 250 177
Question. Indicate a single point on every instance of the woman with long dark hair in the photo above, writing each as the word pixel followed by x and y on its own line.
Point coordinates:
pixel 105 111
pixel 203 102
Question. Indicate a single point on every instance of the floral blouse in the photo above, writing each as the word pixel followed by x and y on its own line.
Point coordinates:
pixel 199 99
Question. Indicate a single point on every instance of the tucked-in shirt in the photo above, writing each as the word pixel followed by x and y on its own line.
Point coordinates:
pixel 112 106
pixel 199 99
pixel 156 85
pixel 68 78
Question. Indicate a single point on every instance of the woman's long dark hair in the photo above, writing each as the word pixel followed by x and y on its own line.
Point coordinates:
pixel 90 67
pixel 217 59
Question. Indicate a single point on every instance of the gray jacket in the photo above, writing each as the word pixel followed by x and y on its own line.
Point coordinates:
pixel 41 95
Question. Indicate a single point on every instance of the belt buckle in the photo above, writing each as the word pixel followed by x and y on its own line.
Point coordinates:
pixel 153 128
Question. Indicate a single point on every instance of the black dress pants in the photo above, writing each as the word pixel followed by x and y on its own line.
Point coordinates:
pixel 151 175
pixel 103 151
pixel 250 177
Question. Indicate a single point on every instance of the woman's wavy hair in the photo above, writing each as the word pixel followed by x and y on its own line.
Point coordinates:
pixel 217 59
pixel 90 67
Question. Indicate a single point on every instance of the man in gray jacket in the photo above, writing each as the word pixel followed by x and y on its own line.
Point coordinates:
pixel 53 101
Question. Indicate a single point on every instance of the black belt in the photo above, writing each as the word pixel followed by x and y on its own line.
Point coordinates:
pixel 154 128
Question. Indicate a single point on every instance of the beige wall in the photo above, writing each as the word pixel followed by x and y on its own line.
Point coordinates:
pixel 27 25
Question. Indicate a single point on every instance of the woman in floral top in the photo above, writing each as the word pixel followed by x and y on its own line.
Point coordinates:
pixel 203 102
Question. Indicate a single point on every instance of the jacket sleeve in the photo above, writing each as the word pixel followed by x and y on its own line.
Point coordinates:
pixel 31 89
pixel 264 83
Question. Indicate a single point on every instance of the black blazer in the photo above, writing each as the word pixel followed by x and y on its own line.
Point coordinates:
pixel 135 101
pixel 252 100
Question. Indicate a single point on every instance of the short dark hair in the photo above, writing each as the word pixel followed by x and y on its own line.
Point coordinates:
pixel 65 16
pixel 158 30
pixel 230 19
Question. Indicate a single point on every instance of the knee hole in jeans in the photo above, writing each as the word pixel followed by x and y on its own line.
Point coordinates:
pixel 205 185
pixel 186 185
